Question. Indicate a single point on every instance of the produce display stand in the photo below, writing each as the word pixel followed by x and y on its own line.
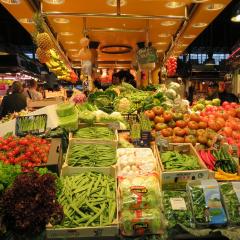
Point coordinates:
pixel 178 179
pixel 106 232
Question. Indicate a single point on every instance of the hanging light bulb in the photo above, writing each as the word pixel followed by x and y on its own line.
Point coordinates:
pixel 236 14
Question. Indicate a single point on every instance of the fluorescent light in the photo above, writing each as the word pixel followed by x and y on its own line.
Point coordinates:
pixel 236 18
pixel 160 43
pixel 189 36
pixel 236 15
pixel 174 4
pixel 113 3
pixel 55 2
pixel 73 50
pixel 164 35
pixel 160 50
pixel 215 6
pixel 199 25
pixel 168 23
pixel 70 42
pixel 12 2
pixel 66 33
pixel 61 20
pixel 199 1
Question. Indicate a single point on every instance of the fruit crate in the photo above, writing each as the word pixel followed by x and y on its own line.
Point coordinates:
pixel 102 232
pixel 34 125
pixel 179 179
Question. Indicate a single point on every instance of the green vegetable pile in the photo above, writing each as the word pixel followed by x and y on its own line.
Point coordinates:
pixel 70 122
pixel 224 161
pixel 91 155
pixel 8 173
pixel 175 216
pixel 88 199
pixel 135 131
pixel 103 100
pixel 175 161
pixel 140 222
pixel 145 122
pixel 104 133
pixel 231 202
pixel 65 109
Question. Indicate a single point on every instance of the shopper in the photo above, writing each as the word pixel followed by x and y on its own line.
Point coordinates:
pixel 226 95
pixel 14 102
pixel 32 92
pixel 191 91
pixel 212 91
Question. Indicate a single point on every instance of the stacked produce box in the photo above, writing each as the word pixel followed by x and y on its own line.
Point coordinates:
pixel 139 192
pixel 88 178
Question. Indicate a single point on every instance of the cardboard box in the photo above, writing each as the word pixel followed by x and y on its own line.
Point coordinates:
pixel 179 179
pixel 114 127
pixel 55 161
pixel 88 232
pixel 66 169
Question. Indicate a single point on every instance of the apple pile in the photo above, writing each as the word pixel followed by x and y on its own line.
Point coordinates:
pixel 181 128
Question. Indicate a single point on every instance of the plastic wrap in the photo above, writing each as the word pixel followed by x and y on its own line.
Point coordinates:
pixel 135 161
pixel 139 192
pixel 206 203
pixel 65 109
pixel 141 222
pixel 176 208
pixel 231 197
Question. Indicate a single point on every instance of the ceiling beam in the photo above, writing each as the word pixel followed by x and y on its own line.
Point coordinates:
pixel 112 15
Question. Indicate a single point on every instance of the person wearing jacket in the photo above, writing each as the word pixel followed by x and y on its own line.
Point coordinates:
pixel 14 102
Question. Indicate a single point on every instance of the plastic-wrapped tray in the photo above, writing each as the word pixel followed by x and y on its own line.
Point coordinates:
pixel 231 199
pixel 176 208
pixel 141 222
pixel 136 161
pixel 205 199
pixel 139 192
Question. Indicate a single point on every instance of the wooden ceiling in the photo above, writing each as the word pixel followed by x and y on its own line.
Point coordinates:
pixel 168 24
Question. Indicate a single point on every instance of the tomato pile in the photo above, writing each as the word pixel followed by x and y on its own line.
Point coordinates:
pixel 28 151
pixel 198 128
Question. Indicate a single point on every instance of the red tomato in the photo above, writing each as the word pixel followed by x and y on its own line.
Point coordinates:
pixel 167 116
pixel 228 131
pixel 181 123
pixel 150 114
pixel 225 103
pixel 193 125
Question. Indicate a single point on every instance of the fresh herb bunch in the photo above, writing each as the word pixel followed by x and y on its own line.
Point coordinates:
pixel 176 216
pixel 30 204
pixel 231 202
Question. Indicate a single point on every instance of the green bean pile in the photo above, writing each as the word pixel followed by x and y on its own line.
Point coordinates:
pixel 91 155
pixel 88 199
pixel 95 133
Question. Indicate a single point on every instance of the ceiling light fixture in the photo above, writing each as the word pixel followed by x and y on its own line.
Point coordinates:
pixel 70 42
pixel 66 33
pixel 174 4
pixel 12 2
pixel 236 15
pixel 189 36
pixel 164 35
pixel 160 43
pixel 61 20
pixel 73 50
pixel 113 3
pixel 215 6
pixel 199 1
pixel 199 25
pixel 168 23
pixel 25 20
pixel 55 2
pixel 160 50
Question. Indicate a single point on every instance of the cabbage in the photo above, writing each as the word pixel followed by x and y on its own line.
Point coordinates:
pixel 123 105
pixel 87 117
pixel 139 222
pixel 116 116
pixel 99 114
pixel 174 86
pixel 145 186
pixel 170 93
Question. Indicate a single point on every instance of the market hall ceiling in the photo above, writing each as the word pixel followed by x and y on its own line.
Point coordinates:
pixel 170 26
